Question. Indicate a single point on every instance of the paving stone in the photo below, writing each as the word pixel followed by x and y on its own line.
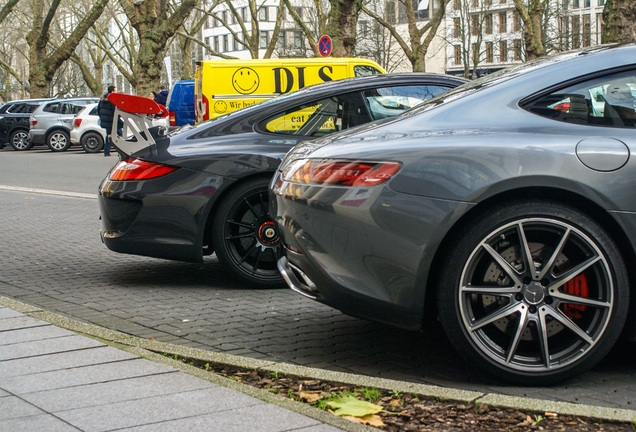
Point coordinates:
pixel 12 407
pixel 130 389
pixel 82 375
pixel 157 409
pixel 42 422
pixel 64 360
pixel 56 345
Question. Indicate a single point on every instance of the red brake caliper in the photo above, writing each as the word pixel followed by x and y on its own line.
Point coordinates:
pixel 577 287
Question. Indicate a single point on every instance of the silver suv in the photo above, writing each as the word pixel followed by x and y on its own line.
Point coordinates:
pixel 52 122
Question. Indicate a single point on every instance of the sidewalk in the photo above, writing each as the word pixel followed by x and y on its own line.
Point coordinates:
pixel 52 379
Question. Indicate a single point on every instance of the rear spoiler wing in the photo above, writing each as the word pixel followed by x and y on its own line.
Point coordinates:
pixel 136 113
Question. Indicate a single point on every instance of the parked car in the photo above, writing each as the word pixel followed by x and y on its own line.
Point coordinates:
pixel 203 189
pixel 181 103
pixel 86 130
pixel 51 122
pixel 506 208
pixel 14 122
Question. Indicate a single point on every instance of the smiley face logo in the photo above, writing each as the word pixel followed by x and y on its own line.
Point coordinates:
pixel 220 107
pixel 245 80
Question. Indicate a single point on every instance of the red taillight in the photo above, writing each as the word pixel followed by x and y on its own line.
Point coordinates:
pixel 137 169
pixel 34 122
pixel 77 122
pixel 173 120
pixel 340 173
pixel 565 107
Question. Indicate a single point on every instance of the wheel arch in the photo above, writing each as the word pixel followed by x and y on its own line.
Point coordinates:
pixel 206 240
pixel 580 202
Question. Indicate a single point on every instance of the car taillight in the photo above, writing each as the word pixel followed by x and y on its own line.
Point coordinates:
pixel 137 169
pixel 33 122
pixel 77 122
pixel 340 173
pixel 171 117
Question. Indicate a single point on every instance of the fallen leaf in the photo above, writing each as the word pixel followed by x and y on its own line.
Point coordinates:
pixel 371 420
pixel 350 406
pixel 309 396
pixel 395 402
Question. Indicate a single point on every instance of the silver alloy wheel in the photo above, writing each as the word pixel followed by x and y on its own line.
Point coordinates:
pixel 536 295
pixel 58 141
pixel 20 140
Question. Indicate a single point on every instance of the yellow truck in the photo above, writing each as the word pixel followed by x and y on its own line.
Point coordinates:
pixel 223 86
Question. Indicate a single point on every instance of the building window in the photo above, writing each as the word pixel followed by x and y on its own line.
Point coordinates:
pixel 489 52
pixel 516 22
pixel 474 3
pixel 488 3
pixel 390 12
pixel 503 22
pixel 216 43
pixel 226 45
pixel 299 40
pixel 503 51
pixel 474 25
pixel 299 12
pixel 587 3
pixel 475 53
pixel 575 4
pixel 502 1
pixel 263 14
pixel 264 39
pixel 458 54
pixel 457 28
pixel 601 2
pixel 457 5
pixel 517 49
pixel 587 31
pixel 599 27
pixel 488 23
pixel 236 45
pixel 244 14
pixel 576 32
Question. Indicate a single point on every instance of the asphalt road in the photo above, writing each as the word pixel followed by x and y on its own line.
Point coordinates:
pixel 51 256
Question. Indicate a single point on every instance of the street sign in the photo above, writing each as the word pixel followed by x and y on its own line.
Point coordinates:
pixel 325 45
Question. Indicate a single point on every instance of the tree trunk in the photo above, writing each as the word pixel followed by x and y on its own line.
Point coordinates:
pixel 619 18
pixel 341 26
pixel 532 17
pixel 42 63
pixel 154 26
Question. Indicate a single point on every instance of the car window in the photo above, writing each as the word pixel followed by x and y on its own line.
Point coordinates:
pixel 72 108
pixel 320 118
pixel 5 107
pixel 363 70
pixel 52 107
pixel 28 108
pixel 606 101
pixel 16 108
pixel 390 101
pixel 93 112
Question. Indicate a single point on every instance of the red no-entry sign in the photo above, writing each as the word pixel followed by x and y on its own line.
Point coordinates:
pixel 324 45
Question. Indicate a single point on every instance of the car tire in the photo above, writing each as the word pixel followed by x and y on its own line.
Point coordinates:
pixel 245 237
pixel 92 142
pixel 20 140
pixel 58 141
pixel 533 321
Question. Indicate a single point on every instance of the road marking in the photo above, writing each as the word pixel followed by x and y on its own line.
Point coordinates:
pixel 49 192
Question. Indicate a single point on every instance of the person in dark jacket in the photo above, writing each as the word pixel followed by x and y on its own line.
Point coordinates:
pixel 106 112
pixel 162 96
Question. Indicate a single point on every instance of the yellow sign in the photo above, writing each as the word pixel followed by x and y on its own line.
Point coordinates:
pixel 223 86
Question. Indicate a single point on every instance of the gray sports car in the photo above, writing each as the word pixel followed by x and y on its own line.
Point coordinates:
pixel 506 208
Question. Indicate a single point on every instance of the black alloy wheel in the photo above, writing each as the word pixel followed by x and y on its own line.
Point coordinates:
pixel 20 140
pixel 245 237
pixel 58 141
pixel 92 142
pixel 534 292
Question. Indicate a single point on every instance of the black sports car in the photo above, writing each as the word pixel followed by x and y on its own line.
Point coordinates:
pixel 204 189
pixel 505 207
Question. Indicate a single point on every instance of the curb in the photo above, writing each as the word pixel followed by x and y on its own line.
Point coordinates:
pixel 148 349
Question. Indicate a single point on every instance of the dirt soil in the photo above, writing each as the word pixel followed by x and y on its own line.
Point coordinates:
pixel 411 412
